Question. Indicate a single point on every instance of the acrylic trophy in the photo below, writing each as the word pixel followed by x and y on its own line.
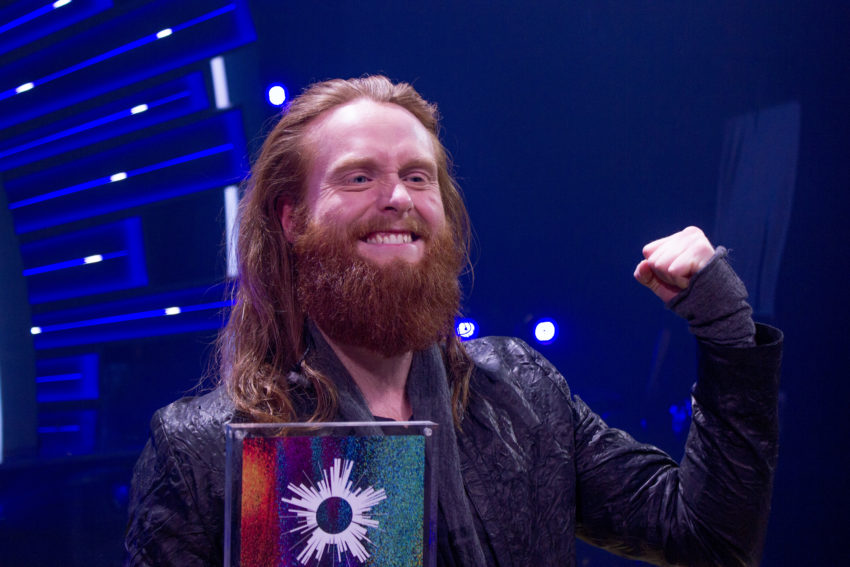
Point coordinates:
pixel 330 494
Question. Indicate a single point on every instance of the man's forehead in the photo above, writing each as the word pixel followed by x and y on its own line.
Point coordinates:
pixel 352 119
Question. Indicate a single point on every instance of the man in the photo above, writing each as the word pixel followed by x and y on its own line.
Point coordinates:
pixel 352 236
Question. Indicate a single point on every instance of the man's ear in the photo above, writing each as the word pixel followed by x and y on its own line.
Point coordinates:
pixel 287 220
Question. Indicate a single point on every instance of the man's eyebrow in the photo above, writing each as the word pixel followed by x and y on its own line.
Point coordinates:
pixel 369 164
pixel 353 163
pixel 420 163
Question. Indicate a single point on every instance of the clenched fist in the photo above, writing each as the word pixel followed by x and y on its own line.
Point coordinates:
pixel 671 262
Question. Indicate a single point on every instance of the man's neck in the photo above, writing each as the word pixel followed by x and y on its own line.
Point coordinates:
pixel 381 379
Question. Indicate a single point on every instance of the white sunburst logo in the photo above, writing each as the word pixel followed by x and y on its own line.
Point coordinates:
pixel 331 513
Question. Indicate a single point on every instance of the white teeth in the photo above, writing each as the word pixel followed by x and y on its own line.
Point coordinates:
pixel 389 238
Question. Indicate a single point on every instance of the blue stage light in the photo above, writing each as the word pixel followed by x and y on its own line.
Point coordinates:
pixel 93 259
pixel 466 328
pixel 33 15
pixel 120 176
pixel 59 378
pixel 115 52
pixel 277 95
pixel 162 312
pixel 545 331
pixel 91 124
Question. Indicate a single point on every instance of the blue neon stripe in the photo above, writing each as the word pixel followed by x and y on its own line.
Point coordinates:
pixel 118 51
pixel 204 17
pixel 89 125
pixel 72 263
pixel 181 159
pixel 59 429
pixel 26 18
pixel 61 192
pixel 59 378
pixel 105 180
pixel 131 317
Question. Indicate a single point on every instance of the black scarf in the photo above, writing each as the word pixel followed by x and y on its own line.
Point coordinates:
pixel 428 392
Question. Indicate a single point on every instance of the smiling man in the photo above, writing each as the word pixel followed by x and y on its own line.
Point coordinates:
pixel 352 237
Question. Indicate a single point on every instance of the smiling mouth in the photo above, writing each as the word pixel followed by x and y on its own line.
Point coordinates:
pixel 390 238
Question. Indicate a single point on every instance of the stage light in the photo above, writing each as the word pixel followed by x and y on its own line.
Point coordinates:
pixel 545 331
pixel 110 319
pixel 116 51
pixel 219 78
pixel 138 109
pixel 466 328
pixel 60 3
pixel 120 176
pixel 277 95
pixel 231 207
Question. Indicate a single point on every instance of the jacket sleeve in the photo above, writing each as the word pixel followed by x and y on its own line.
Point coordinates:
pixel 170 520
pixel 712 508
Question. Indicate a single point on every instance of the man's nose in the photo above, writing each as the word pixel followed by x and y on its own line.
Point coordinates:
pixel 397 197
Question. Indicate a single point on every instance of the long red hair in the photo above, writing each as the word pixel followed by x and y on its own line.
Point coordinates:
pixel 264 338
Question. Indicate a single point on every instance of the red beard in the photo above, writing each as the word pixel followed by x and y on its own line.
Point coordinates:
pixel 389 309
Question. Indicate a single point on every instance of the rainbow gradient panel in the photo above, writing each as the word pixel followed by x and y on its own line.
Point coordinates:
pixel 331 494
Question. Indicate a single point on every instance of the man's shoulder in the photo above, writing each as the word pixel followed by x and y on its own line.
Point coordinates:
pixel 511 360
pixel 200 416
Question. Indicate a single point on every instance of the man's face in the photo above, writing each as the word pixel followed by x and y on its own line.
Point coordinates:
pixel 374 168
pixel 376 265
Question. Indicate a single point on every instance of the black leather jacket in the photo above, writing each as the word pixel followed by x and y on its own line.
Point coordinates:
pixel 538 466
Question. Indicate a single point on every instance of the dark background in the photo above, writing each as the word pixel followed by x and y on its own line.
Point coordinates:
pixel 580 131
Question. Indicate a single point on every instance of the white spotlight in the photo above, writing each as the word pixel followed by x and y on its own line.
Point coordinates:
pixel 277 95
pixel 164 33
pixel 138 109
pixel 545 331
pixel 24 88
pixel 120 176
pixel 172 310
pixel 466 328
pixel 93 259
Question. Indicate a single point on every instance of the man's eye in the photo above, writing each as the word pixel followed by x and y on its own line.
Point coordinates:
pixel 417 178
pixel 358 179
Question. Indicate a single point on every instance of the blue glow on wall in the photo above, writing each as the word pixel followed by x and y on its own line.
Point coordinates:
pixel 22 28
pixel 129 180
pixel 122 175
pixel 63 433
pixel 104 258
pixel 68 378
pixel 152 315
pixel 142 41
pixel 113 118
pixel 80 78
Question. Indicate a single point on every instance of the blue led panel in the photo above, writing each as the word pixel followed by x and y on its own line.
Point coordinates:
pixel 67 379
pixel 203 155
pixel 113 118
pixel 63 433
pixel 26 21
pixel 95 260
pixel 140 44
pixel 161 314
